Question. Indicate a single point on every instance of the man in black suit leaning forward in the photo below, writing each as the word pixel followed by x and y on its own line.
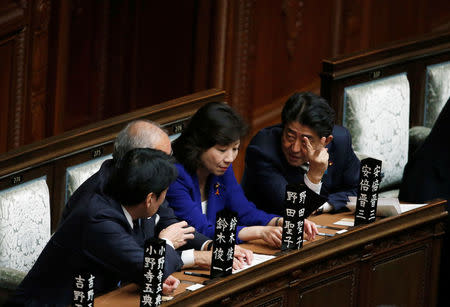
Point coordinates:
pixel 106 237
pixel 305 148
pixel 191 244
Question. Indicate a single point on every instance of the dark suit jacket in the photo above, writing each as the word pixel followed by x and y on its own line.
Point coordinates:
pixel 95 238
pixel 427 173
pixel 267 171
pixel 98 182
pixel 427 177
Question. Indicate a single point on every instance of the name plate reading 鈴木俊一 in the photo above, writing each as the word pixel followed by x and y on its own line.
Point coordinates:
pixel 369 182
pixel 154 255
pixel 224 241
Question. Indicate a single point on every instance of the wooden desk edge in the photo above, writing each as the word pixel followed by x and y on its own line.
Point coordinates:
pixel 312 252
pixel 294 261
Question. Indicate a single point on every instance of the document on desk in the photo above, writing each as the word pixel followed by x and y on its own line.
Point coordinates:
pixel 345 222
pixel 386 206
pixel 195 287
pixel 406 207
pixel 257 259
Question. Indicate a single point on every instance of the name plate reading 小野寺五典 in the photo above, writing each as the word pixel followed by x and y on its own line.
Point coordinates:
pixel 83 290
pixel 154 255
pixel 294 217
pixel 369 182
pixel 224 241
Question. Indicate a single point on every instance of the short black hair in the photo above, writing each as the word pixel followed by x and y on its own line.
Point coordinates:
pixel 140 172
pixel 310 110
pixel 215 123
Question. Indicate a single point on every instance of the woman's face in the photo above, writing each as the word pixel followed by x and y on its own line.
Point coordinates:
pixel 218 158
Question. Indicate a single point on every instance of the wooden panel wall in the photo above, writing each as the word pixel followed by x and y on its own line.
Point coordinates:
pixel 118 56
pixel 281 43
pixel 66 64
pixel 13 49
pixel 277 46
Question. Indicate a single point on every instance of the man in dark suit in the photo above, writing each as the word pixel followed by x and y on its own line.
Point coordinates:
pixel 192 245
pixel 305 148
pixel 106 237
pixel 427 173
pixel 427 177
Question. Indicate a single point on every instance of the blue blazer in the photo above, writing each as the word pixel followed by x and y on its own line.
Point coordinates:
pixel 223 192
pixel 98 181
pixel 267 171
pixel 95 238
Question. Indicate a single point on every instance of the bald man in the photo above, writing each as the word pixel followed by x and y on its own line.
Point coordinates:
pixel 194 247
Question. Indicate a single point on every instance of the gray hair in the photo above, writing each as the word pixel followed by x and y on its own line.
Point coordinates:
pixel 130 137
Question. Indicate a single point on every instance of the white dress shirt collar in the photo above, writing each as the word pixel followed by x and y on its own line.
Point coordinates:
pixel 128 216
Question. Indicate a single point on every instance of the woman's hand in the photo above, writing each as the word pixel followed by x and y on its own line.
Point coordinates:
pixel 310 231
pixel 272 235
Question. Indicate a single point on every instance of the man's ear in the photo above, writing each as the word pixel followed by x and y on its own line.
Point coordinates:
pixel 328 140
pixel 149 199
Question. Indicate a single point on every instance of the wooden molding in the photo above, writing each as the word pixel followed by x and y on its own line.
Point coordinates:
pixel 36 114
pixel 293 21
pixel 13 16
pixel 243 57
pixel 345 66
pixel 70 142
pixel 20 91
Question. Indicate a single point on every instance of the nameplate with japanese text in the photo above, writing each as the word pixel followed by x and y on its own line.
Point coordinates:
pixel 294 216
pixel 83 290
pixel 367 199
pixel 154 254
pixel 224 241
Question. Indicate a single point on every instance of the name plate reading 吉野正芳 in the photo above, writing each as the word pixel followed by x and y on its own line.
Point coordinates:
pixel 294 216
pixel 369 182
pixel 154 255
pixel 224 241
pixel 83 290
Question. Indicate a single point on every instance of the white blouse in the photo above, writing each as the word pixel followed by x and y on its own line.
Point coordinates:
pixel 204 206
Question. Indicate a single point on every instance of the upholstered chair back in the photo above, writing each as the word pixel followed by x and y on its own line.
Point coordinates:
pixel 24 224
pixel 437 91
pixel 77 174
pixel 377 116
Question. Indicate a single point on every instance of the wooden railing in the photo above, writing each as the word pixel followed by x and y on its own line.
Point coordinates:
pixel 411 57
pixel 51 157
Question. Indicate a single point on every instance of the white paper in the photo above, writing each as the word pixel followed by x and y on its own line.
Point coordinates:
pixel 195 287
pixel 345 222
pixel 385 206
pixel 407 207
pixel 257 259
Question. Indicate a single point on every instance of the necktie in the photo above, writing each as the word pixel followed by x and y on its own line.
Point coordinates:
pixel 137 231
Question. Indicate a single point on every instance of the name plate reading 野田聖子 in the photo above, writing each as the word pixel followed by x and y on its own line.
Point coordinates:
pixel 224 241
pixel 154 255
pixel 83 290
pixel 294 216
pixel 369 182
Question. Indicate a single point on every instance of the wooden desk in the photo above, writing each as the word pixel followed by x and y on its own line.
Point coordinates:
pixel 394 261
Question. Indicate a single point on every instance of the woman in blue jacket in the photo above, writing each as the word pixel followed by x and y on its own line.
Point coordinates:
pixel 206 183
